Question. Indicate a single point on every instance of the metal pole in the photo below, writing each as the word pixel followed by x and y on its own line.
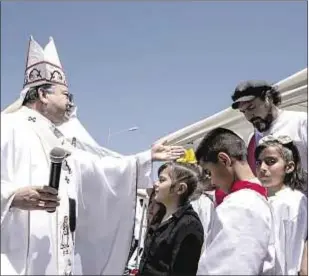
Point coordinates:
pixel 145 204
pixel 119 132
pixel 109 135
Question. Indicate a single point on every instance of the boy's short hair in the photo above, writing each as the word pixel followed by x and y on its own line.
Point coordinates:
pixel 221 140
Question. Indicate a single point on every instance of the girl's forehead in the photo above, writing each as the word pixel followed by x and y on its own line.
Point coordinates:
pixel 273 150
pixel 166 171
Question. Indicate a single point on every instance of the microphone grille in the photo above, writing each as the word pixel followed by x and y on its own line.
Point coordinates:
pixel 57 155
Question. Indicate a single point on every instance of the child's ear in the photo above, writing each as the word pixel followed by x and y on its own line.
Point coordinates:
pixel 224 159
pixel 182 188
pixel 290 167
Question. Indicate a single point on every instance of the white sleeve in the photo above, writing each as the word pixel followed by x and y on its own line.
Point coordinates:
pixel 204 207
pixel 144 170
pixel 107 203
pixel 296 231
pixel 207 214
pixel 11 160
pixel 206 211
pixel 239 243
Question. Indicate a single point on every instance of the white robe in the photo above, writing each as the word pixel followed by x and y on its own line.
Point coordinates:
pixel 291 222
pixel 241 241
pixel 103 186
pixel 205 209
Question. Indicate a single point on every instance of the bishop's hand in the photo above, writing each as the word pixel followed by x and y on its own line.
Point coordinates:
pixel 36 198
pixel 160 152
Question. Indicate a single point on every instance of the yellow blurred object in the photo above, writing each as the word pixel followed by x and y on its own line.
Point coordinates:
pixel 188 158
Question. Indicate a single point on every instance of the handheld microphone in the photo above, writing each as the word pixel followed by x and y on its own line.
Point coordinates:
pixel 57 155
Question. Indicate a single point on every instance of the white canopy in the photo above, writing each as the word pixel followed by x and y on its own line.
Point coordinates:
pixel 294 91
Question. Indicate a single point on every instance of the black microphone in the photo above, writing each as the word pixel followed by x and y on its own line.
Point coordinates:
pixel 56 155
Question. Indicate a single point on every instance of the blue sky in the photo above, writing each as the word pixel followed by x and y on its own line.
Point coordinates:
pixel 157 65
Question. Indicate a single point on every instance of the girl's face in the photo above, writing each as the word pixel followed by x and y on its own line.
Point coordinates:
pixel 163 192
pixel 272 168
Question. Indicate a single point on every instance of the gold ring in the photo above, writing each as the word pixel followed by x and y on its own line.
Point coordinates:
pixel 41 203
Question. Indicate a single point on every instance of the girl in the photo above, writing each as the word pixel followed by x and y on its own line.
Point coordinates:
pixel 173 243
pixel 279 170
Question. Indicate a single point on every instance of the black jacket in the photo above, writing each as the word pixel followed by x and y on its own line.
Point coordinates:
pixel 174 247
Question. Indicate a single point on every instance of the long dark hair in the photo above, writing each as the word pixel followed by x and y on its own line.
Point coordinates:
pixel 154 216
pixel 289 152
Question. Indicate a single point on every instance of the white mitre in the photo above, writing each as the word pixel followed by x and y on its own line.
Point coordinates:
pixel 42 67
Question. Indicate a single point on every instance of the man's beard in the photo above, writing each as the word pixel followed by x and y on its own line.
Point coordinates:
pixel 263 125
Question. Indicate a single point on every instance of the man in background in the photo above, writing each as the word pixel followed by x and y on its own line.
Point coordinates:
pixel 259 102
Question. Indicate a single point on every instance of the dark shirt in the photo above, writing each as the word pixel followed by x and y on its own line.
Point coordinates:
pixel 173 247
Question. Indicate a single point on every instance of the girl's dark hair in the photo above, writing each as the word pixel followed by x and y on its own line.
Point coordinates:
pixel 289 152
pixel 183 172
pixel 157 216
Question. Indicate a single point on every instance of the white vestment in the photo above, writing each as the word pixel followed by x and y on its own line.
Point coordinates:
pixel 291 222
pixel 102 183
pixel 205 209
pixel 241 241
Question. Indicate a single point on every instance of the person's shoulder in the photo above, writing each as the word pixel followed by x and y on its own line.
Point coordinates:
pixel 295 195
pixel 294 115
pixel 203 200
pixel 15 127
pixel 9 116
pixel 293 201
pixel 246 201
pixel 246 207
pixel 11 121
pixel 189 226
pixel 190 219
pixel 247 196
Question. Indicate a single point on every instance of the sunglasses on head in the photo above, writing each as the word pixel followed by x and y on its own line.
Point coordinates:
pixel 282 139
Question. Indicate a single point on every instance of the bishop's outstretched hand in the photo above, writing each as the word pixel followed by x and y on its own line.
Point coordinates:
pixel 161 152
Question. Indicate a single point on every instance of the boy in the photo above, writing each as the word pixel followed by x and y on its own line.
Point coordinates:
pixel 242 239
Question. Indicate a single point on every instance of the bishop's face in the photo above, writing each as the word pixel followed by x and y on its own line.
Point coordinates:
pixel 58 104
